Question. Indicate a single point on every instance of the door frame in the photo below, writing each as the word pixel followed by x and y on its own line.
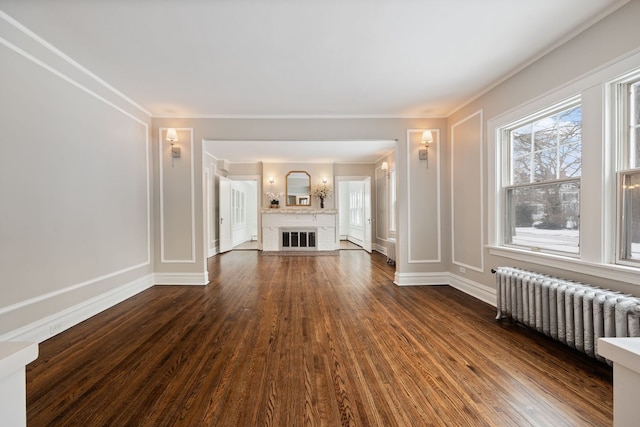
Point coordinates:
pixel 225 244
pixel 368 222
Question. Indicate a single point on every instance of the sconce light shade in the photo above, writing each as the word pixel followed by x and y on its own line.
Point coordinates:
pixel 427 137
pixel 271 180
pixel 172 135
pixel 324 180
pixel 385 168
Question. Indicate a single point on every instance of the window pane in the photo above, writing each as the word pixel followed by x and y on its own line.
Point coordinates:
pixel 545 165
pixel 633 124
pixel 545 135
pixel 570 126
pixel 521 140
pixel 570 160
pixel 521 169
pixel 629 186
pixel 556 152
pixel 545 217
pixel 631 216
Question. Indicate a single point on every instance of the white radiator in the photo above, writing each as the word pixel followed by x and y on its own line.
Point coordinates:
pixel 573 313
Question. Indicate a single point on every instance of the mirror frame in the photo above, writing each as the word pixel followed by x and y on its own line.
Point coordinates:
pixel 286 182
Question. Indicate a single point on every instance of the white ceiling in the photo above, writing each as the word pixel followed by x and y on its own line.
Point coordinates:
pixel 304 58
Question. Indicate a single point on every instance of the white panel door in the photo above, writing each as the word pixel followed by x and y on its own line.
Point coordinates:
pixel 226 238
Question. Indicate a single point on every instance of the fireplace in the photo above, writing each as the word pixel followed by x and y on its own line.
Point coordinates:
pixel 302 229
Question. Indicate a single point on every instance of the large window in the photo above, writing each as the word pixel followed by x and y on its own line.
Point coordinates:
pixel 238 207
pixel 629 177
pixel 541 186
pixel 356 208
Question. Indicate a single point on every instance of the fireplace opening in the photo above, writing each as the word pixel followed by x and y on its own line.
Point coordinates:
pixel 299 239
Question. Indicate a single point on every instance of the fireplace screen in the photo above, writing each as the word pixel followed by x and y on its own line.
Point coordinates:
pixel 299 239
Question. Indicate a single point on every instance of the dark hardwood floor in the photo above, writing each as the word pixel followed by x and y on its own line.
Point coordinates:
pixel 319 340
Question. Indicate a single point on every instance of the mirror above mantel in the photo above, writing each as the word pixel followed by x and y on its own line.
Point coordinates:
pixel 298 188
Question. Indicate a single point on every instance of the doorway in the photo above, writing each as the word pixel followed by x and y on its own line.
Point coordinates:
pixel 238 207
pixel 353 201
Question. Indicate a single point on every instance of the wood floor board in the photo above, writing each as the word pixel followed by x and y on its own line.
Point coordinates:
pixel 310 341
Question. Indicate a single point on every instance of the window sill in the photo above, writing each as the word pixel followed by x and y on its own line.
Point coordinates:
pixel 606 271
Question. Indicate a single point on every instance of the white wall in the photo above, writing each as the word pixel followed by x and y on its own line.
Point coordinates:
pixel 75 223
pixel 423 218
pixel 176 199
pixel 466 195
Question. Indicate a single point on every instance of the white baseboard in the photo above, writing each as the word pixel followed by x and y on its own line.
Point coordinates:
pixel 474 289
pixel 380 248
pixel 199 279
pixel 463 284
pixel 53 324
pixel 421 279
pixel 355 240
pixel 215 250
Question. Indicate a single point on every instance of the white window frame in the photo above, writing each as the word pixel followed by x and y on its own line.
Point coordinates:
pixel 506 185
pixel 623 127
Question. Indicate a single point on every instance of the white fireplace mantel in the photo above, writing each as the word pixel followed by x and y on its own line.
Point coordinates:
pixel 324 221
pixel 298 211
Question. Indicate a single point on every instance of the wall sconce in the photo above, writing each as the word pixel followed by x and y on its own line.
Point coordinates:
pixel 324 180
pixel 427 139
pixel 385 168
pixel 172 137
pixel 271 180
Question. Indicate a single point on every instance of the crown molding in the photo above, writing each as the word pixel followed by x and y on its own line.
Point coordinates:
pixel 297 116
